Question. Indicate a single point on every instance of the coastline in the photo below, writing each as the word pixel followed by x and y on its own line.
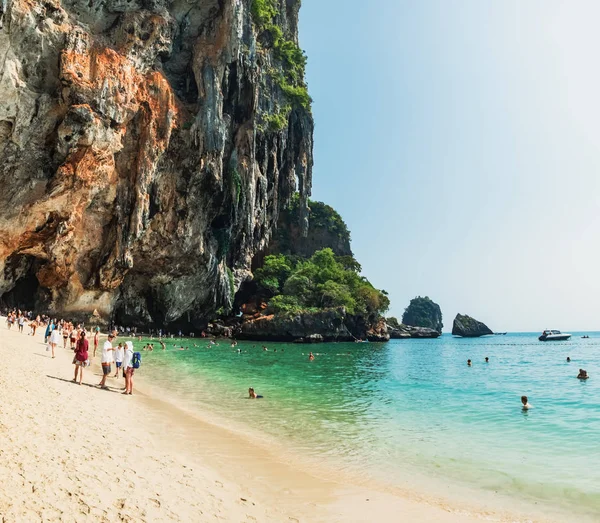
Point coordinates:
pixel 80 452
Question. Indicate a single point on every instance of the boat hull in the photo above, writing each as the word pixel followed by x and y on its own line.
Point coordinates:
pixel 554 338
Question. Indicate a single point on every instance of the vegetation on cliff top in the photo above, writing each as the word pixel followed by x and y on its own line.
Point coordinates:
pixel 293 60
pixel 423 312
pixel 321 282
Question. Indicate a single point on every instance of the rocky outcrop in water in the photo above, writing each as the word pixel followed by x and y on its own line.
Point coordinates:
pixel 310 327
pixel 423 312
pixel 468 327
pixel 401 331
pixel 146 151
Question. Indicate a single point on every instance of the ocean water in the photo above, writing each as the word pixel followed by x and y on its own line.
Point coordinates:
pixel 388 411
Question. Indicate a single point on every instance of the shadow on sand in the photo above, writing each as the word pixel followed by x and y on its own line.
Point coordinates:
pixel 83 384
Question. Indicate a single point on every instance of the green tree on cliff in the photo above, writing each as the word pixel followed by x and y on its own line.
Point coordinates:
pixel 423 312
pixel 323 281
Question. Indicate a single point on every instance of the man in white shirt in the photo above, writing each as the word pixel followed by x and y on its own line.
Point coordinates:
pixel 107 359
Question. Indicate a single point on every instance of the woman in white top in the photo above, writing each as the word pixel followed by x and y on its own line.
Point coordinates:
pixel 128 367
pixel 54 339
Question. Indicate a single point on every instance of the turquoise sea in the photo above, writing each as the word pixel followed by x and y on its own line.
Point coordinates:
pixel 390 411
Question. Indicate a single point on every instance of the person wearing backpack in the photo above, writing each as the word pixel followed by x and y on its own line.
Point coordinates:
pixel 131 361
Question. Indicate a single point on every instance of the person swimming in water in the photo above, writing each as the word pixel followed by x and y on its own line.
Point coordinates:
pixel 583 375
pixel 252 395
pixel 568 359
pixel 487 360
pixel 469 363
pixel 525 402
pixel 311 357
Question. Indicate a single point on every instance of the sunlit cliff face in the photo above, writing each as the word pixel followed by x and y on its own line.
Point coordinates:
pixel 138 177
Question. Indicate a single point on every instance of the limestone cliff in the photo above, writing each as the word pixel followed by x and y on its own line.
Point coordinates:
pixel 326 229
pixel 147 148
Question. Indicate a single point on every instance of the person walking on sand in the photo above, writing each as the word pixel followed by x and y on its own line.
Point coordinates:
pixel 21 323
pixel 119 353
pixel 65 335
pixel 73 335
pixel 54 341
pixel 128 367
pixel 96 340
pixel 81 357
pixel 107 359
pixel 49 329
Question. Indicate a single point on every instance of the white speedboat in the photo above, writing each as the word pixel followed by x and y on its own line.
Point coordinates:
pixel 552 335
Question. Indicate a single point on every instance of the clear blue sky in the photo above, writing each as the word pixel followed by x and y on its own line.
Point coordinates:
pixel 460 141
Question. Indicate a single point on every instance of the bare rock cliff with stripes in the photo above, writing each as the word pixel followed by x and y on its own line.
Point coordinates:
pixel 147 148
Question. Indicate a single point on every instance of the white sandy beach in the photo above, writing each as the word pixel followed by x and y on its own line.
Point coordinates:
pixel 78 453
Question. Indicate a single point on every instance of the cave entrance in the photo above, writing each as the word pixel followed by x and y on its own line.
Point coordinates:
pixel 24 294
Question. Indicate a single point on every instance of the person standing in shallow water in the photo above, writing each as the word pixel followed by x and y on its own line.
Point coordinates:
pixel 525 402
pixel 81 356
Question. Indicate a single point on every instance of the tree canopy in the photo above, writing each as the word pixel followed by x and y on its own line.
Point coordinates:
pixel 320 282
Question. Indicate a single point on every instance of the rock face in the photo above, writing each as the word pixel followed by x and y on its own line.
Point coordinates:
pixel 468 327
pixel 327 325
pixel 402 331
pixel 423 312
pixel 140 174
pixel 326 229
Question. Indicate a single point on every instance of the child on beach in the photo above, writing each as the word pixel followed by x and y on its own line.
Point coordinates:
pixel 119 353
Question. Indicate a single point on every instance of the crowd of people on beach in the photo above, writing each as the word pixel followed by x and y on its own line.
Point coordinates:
pixel 75 338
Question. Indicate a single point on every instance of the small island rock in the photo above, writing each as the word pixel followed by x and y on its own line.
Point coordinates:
pixel 423 312
pixel 468 327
